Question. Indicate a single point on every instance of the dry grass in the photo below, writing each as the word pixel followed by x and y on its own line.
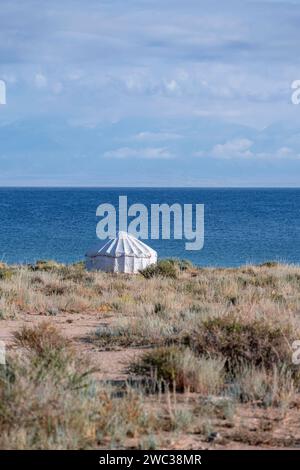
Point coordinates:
pixel 258 342
pixel 182 370
pixel 266 388
pixel 49 400
pixel 42 339
pixel 211 332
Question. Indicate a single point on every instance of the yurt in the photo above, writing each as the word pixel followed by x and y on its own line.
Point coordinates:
pixel 123 254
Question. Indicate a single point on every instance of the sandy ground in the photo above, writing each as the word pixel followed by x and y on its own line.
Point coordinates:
pixel 112 364
pixel 253 429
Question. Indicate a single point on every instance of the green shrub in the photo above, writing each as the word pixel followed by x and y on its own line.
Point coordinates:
pixel 78 265
pixel 238 341
pixel 77 273
pixel 269 264
pixel 6 273
pixel 184 264
pixel 164 268
pixel 46 265
pixel 181 264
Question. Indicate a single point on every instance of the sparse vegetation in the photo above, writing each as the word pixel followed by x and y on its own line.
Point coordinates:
pixel 42 340
pixel 164 268
pixel 219 343
pixel 182 370
pixel 275 387
pixel 6 273
pixel 256 342
pixel 48 399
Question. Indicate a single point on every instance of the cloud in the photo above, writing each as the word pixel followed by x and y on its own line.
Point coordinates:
pixel 243 149
pixel 163 79
pixel 156 136
pixel 2 92
pixel 149 153
pixel 237 148
pixel 161 58
pixel 283 153
pixel 40 80
pixel 172 86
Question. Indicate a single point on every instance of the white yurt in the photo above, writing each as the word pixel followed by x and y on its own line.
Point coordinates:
pixel 123 254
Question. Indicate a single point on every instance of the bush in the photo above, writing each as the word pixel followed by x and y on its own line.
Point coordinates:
pixel 42 339
pixel 180 264
pixel 239 341
pixel 184 264
pixel 55 288
pixel 77 273
pixel 181 369
pixel 269 264
pixel 164 268
pixel 6 273
pixel 49 400
pixel 46 265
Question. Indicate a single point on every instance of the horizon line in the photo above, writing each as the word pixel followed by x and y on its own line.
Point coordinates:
pixel 140 187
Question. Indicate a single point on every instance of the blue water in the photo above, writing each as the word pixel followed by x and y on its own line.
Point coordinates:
pixel 241 225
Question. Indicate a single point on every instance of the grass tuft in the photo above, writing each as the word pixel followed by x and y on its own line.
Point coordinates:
pixel 41 339
pixel 182 370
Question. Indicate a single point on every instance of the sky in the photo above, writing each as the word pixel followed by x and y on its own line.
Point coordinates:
pixel 149 93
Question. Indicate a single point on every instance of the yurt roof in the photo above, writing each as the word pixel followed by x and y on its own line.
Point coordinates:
pixel 123 245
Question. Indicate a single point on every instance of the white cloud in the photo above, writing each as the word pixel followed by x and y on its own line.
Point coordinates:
pixel 156 136
pixel 243 149
pixel 237 148
pixel 163 66
pixel 282 153
pixel 172 86
pixel 143 153
pixel 40 80
pixel 2 92
pixel 9 78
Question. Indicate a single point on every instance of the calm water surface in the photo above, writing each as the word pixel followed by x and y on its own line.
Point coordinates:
pixel 241 225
